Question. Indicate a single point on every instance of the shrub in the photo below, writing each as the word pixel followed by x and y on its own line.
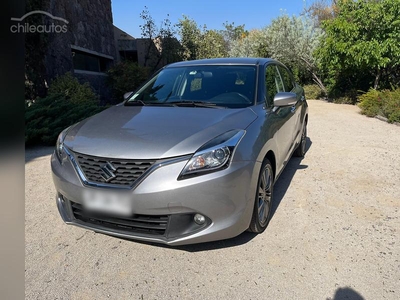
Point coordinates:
pixel 313 91
pixel 384 103
pixel 391 105
pixel 344 100
pixel 370 103
pixel 124 77
pixel 67 102
pixel 349 97
pixel 75 92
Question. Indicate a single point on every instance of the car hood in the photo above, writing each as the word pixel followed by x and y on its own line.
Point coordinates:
pixel 151 132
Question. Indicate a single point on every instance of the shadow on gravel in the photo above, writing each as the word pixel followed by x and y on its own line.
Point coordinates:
pixel 346 294
pixel 236 241
pixel 284 180
pixel 32 153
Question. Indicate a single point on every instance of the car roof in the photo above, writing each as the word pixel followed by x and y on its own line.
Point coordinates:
pixel 223 61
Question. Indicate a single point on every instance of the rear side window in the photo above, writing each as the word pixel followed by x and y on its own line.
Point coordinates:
pixel 287 79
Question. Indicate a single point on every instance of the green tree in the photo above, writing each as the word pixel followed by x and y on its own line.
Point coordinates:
pixel 254 44
pixel 361 48
pixel 199 42
pixel 232 33
pixel 190 37
pixel 212 44
pixel 321 10
pixel 292 40
pixel 67 102
pixel 124 77
pixel 161 44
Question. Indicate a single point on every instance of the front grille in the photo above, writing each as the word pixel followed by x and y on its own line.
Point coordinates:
pixel 126 171
pixel 138 224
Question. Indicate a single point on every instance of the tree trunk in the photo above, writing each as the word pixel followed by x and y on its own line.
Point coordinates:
pixel 316 79
pixel 377 77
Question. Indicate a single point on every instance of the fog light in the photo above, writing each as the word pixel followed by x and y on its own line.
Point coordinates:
pixel 199 219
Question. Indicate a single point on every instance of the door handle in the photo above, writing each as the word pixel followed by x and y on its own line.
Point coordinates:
pixel 293 109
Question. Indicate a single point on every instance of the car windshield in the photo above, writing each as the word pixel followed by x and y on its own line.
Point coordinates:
pixel 229 86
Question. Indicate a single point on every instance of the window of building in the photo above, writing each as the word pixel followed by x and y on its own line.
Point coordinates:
pixel 90 62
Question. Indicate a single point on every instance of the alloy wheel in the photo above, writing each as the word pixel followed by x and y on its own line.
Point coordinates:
pixel 264 195
pixel 304 139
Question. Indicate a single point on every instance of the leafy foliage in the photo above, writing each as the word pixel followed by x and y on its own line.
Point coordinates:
pixel 370 103
pixel 292 40
pixel 124 77
pixel 321 10
pixel 161 45
pixel 200 43
pixel 385 103
pixel 361 48
pixel 232 33
pixel 212 44
pixel 313 91
pixel 349 97
pixel 74 92
pixel 253 44
pixel 67 102
pixel 391 105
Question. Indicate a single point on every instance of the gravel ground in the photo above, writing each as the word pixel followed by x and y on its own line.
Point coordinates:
pixel 334 233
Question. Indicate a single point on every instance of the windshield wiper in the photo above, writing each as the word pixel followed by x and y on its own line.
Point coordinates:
pixel 142 103
pixel 135 103
pixel 196 104
pixel 174 103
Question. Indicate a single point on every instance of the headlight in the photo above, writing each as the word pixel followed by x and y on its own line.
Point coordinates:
pixel 214 155
pixel 60 144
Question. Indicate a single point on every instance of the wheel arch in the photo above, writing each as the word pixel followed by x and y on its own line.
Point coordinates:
pixel 271 157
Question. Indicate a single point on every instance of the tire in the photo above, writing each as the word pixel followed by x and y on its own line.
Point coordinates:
pixel 263 201
pixel 301 148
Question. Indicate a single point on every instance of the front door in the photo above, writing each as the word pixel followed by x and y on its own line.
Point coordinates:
pixel 290 86
pixel 283 117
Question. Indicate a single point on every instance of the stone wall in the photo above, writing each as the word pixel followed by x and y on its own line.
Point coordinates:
pixel 90 26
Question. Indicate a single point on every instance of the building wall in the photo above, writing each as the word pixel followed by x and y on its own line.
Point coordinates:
pixel 90 28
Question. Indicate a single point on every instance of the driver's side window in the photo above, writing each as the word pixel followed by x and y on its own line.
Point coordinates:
pixel 273 84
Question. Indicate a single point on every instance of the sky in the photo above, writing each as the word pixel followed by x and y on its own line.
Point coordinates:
pixel 213 13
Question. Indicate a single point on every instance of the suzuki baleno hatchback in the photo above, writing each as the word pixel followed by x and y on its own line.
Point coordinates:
pixel 192 156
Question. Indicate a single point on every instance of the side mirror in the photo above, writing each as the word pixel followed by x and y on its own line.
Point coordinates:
pixel 285 99
pixel 128 95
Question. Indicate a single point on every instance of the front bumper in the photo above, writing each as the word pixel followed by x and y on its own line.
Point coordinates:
pixel 167 205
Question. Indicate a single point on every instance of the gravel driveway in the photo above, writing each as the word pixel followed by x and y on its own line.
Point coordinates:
pixel 334 233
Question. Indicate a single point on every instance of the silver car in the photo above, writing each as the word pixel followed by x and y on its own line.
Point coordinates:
pixel 192 156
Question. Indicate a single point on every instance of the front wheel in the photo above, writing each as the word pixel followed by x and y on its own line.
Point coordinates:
pixel 263 201
pixel 301 148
